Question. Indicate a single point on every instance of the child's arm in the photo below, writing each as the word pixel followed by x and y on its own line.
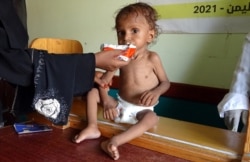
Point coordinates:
pixel 151 97
pixel 104 79
pixel 109 104
pixel 107 78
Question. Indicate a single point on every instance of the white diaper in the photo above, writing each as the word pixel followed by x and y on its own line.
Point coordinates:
pixel 127 111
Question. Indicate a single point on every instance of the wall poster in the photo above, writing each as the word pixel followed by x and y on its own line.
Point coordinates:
pixel 203 16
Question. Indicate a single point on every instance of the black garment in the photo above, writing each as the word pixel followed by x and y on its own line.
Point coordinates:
pixel 57 80
pixel 17 34
pixel 66 75
pixel 20 6
pixel 3 37
pixel 57 77
pixel 16 66
pixel 13 35
pixel 13 40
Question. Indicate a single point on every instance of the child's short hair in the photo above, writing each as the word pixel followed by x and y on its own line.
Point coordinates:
pixel 143 9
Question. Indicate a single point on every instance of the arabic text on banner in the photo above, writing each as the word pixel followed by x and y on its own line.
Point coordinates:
pixel 203 16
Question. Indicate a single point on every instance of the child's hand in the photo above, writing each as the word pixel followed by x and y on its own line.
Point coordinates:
pixel 149 98
pixel 106 82
pixel 110 111
pixel 102 82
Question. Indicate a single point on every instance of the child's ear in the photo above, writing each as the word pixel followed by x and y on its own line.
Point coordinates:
pixel 151 36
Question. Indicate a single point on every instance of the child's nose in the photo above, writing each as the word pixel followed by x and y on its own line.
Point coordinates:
pixel 127 39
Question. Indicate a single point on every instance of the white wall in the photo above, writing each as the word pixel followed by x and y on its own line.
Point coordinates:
pixel 199 59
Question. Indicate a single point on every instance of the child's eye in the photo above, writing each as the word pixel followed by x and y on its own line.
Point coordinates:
pixel 120 33
pixel 135 31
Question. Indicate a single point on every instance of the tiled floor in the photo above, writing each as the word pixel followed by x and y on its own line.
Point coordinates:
pixel 56 146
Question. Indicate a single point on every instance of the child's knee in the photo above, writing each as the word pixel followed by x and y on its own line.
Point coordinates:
pixel 93 93
pixel 148 114
pixel 154 117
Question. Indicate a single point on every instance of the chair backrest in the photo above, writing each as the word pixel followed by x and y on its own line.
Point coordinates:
pixel 57 45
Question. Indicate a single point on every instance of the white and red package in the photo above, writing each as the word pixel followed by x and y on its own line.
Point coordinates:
pixel 130 50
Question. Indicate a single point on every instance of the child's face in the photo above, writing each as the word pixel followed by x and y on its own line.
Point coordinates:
pixel 134 29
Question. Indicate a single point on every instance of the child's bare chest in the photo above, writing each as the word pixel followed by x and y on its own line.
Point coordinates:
pixel 138 67
pixel 138 72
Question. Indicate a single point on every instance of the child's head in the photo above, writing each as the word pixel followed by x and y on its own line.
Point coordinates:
pixel 135 22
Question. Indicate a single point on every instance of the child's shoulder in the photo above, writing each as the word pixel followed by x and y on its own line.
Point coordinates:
pixel 153 56
pixel 152 53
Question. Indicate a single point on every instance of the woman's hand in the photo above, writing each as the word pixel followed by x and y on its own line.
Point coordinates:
pixel 108 60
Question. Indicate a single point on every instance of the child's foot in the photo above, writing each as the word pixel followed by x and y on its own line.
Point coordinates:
pixel 87 133
pixel 110 149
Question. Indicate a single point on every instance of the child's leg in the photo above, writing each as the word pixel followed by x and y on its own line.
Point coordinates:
pixel 146 119
pixel 91 131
